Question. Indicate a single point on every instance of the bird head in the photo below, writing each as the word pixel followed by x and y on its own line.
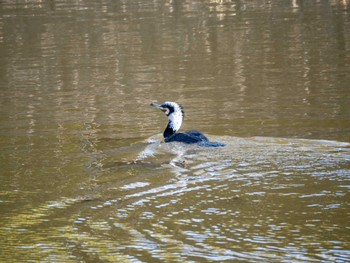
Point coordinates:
pixel 173 111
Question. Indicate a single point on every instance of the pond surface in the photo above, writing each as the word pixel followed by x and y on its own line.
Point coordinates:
pixel 85 175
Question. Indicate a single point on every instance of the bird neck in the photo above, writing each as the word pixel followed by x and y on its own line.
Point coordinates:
pixel 169 131
pixel 173 126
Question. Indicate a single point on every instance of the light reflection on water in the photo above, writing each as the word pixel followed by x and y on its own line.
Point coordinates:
pixel 84 178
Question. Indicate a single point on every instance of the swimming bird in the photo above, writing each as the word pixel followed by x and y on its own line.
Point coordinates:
pixel 175 114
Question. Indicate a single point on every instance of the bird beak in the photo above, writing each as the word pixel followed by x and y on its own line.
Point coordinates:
pixel 158 107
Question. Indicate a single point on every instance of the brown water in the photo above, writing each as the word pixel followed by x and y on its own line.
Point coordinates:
pixel 84 175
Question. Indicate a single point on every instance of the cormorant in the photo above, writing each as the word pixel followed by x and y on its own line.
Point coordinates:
pixel 175 114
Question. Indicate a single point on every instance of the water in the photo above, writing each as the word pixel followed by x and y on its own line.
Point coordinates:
pixel 85 176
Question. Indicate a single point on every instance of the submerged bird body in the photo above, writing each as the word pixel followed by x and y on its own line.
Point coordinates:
pixel 186 137
pixel 175 114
